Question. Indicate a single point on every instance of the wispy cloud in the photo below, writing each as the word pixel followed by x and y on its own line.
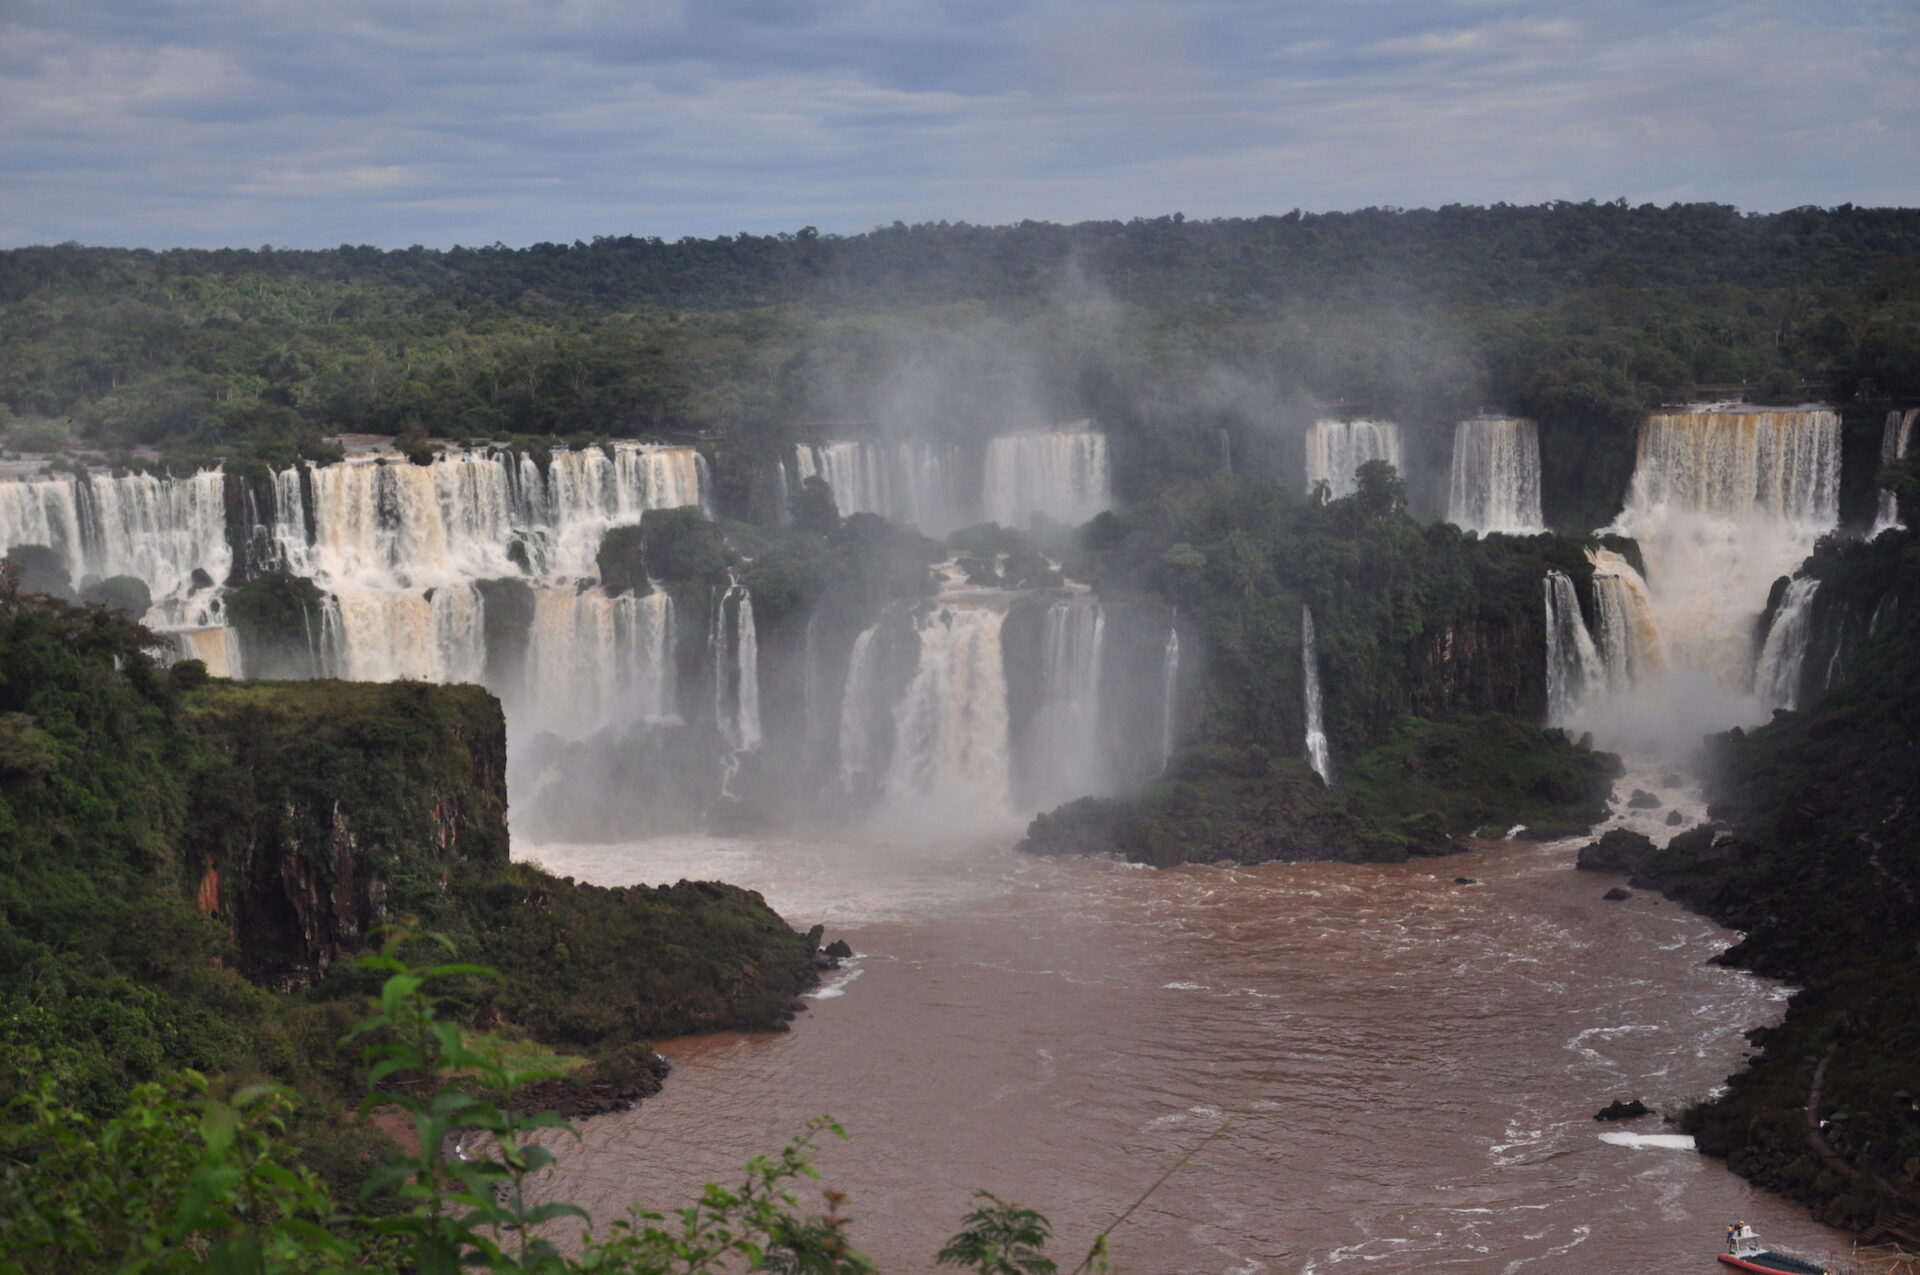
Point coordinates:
pixel 442 121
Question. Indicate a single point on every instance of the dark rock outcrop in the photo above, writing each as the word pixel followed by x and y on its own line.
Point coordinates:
pixel 1623 1109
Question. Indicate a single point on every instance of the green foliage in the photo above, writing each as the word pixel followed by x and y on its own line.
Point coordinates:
pixel 678 546
pixel 186 1179
pixel 1430 783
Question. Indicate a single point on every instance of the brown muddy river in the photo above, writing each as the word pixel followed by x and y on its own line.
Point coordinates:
pixel 1407 1068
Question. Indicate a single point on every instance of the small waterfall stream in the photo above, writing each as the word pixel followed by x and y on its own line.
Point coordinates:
pixel 1777 673
pixel 1319 755
pixel 1894 441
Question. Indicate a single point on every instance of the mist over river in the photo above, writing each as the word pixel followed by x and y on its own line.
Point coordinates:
pixel 1410 1065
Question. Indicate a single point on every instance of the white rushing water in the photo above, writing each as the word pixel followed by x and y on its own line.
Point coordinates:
pixel 1894 441
pixel 950 723
pixel 1319 755
pixel 596 660
pixel 1494 484
pixel 1065 756
pixel 1336 449
pixel 735 660
pixel 1062 474
pixel 913 481
pixel 158 530
pixel 1573 661
pixel 1723 503
pixel 1783 653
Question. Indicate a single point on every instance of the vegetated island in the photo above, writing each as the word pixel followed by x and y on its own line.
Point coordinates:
pixel 191 865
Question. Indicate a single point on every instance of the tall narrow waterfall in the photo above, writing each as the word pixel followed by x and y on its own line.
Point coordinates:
pixel 1573 662
pixel 735 656
pixel 860 710
pixel 1723 503
pixel 1066 728
pixel 1783 654
pixel 1495 481
pixel 1169 689
pixel 1336 449
pixel 1060 473
pixel 1319 755
pixel 1894 442
pixel 950 724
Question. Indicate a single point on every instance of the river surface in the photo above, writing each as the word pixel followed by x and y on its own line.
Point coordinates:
pixel 1406 1068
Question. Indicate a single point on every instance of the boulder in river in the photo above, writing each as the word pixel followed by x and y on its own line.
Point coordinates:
pixel 1623 1109
pixel 1618 893
pixel 1675 818
pixel 1619 850
pixel 1672 781
pixel 1644 800
pixel 839 948
pixel 1465 881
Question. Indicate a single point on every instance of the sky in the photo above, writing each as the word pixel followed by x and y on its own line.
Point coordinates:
pixel 157 123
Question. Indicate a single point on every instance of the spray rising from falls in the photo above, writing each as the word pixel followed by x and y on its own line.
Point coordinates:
pixel 1319 755
pixel 1723 504
pixel 1894 441
pixel 1494 484
pixel 1336 449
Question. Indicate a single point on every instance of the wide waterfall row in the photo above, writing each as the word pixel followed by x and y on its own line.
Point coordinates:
pixel 1319 754
pixel 1494 484
pixel 1894 442
pixel 940 486
pixel 1336 449
pixel 157 530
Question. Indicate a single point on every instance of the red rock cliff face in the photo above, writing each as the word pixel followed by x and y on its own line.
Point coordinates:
pixel 330 809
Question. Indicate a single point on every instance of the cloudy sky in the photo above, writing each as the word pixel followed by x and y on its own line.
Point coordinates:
pixel 393 122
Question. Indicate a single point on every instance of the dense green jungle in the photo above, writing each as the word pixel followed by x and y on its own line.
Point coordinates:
pixel 198 877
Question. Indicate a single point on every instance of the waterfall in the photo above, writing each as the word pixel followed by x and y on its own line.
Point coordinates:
pixel 1226 452
pixel 908 480
pixel 215 647
pixel 1893 445
pixel 1495 481
pixel 1777 671
pixel 734 653
pixel 157 529
pixel 595 661
pixel 1319 755
pixel 1723 503
pixel 1626 634
pixel 859 704
pixel 1573 663
pixel 1066 726
pixel 1335 449
pixel 1169 685
pixel 1059 473
pixel 950 723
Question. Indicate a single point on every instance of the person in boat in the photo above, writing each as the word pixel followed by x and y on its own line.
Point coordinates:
pixel 1733 1229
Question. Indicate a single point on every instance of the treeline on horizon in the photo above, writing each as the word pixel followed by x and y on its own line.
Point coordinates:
pixel 1166 331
